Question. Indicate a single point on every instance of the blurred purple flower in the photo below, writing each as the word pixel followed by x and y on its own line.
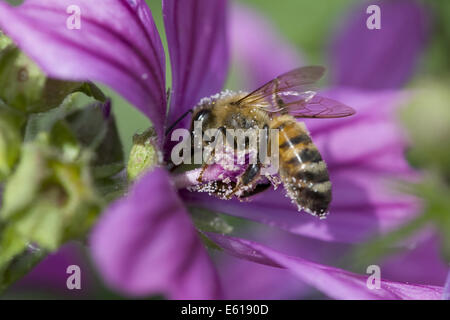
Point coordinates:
pixel 145 242
pixel 384 58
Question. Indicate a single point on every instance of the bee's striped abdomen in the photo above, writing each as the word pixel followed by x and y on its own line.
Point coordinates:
pixel 304 173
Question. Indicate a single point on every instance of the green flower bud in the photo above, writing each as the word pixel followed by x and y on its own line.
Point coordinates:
pixel 25 87
pixel 427 119
pixel 144 154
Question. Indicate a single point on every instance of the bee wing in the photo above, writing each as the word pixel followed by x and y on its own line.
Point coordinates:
pixel 296 83
pixel 292 93
pixel 318 107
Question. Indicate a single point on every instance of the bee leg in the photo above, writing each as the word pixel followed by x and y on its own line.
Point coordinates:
pixel 250 175
pixel 258 189
pixel 200 176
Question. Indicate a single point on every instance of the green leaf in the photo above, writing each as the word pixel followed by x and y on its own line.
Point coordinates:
pixel 19 266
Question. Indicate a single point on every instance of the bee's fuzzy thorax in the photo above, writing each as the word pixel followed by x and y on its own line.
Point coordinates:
pixel 225 94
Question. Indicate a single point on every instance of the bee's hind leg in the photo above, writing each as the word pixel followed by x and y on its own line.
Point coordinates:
pixel 200 176
pixel 258 189
pixel 246 180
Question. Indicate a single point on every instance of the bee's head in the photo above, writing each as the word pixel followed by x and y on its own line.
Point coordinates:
pixel 203 114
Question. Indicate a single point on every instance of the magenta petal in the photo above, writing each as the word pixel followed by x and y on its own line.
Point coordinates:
pixel 146 244
pixel 446 294
pixel 51 273
pixel 117 44
pixel 372 139
pixel 265 282
pixel 354 223
pixel 262 57
pixel 335 283
pixel 424 261
pixel 384 58
pixel 196 36
pixel 261 282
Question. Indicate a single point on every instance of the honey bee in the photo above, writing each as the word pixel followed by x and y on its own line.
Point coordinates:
pixel 276 105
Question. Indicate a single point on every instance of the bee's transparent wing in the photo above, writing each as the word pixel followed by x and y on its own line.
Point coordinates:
pixel 292 93
pixel 295 83
pixel 318 107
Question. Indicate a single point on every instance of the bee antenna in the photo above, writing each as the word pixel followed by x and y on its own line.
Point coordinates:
pixel 178 121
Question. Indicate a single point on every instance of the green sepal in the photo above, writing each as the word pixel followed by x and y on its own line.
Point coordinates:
pixel 12 243
pixel 209 221
pixel 11 124
pixel 25 87
pixel 95 128
pixel 19 266
pixel 91 90
pixel 91 128
pixel 50 198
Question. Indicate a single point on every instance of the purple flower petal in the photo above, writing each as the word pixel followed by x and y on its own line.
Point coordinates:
pixel 363 153
pixel 424 261
pixel 384 58
pixel 265 282
pixel 117 44
pixel 372 139
pixel 264 57
pixel 261 282
pixel 198 47
pixel 335 283
pixel 146 244
pixel 446 294
pixel 51 273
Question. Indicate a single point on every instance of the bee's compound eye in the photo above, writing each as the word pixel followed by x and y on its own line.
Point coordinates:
pixel 202 115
